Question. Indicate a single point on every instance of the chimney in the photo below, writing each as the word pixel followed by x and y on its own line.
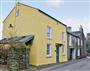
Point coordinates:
pixel 69 29
pixel 81 29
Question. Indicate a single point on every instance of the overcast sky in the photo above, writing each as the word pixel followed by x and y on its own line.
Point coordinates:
pixel 71 12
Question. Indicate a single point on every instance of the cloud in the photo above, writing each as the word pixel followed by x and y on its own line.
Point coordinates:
pixel 0 35
pixel 54 3
pixel 75 24
pixel 89 25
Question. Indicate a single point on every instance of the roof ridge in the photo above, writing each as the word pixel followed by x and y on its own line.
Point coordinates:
pixel 39 11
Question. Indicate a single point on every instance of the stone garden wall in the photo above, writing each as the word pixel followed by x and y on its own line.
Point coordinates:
pixel 17 56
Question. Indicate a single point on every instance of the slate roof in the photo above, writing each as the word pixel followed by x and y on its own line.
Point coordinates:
pixel 71 33
pixel 38 11
pixel 77 33
pixel 24 39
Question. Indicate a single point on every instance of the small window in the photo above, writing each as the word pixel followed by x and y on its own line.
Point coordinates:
pixel 81 43
pixel 63 36
pixel 49 32
pixel 10 26
pixel 63 49
pixel 78 41
pixel 78 52
pixel 17 12
pixel 70 40
pixel 48 50
pixel 75 39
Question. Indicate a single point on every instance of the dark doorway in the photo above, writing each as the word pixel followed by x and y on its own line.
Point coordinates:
pixel 57 54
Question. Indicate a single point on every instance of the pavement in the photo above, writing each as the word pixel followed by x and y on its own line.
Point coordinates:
pixel 76 65
pixel 3 69
pixel 82 65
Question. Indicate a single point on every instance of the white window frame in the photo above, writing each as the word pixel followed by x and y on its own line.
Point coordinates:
pixel 17 12
pixel 63 36
pixel 78 41
pixel 78 52
pixel 63 49
pixel 48 51
pixel 75 39
pixel 70 40
pixel 49 32
pixel 81 43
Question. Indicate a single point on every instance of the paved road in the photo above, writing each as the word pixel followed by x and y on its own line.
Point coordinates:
pixel 83 65
pixel 2 69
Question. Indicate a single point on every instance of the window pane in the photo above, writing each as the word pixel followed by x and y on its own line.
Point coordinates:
pixel 48 49
pixel 63 36
pixel 70 40
pixel 49 32
pixel 63 49
pixel 81 43
pixel 78 42
pixel 17 12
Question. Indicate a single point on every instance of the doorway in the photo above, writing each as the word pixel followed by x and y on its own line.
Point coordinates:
pixel 72 54
pixel 57 54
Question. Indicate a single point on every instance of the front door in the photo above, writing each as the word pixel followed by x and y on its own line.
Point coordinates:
pixel 57 54
pixel 71 54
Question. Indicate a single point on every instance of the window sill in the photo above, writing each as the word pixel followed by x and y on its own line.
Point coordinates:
pixel 63 54
pixel 49 38
pixel 49 56
pixel 63 41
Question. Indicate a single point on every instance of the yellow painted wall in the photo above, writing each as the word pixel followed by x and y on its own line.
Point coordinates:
pixel 31 21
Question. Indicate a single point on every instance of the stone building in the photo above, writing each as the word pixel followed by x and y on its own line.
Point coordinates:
pixel 82 41
pixel 76 44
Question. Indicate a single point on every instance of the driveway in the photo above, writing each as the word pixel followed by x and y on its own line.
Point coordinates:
pixel 83 65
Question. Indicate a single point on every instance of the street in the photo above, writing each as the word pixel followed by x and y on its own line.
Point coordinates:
pixel 3 69
pixel 83 65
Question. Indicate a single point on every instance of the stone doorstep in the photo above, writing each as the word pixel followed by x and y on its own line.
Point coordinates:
pixel 54 66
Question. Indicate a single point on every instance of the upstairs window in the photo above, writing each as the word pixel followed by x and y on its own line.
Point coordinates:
pixel 48 50
pixel 49 32
pixel 75 39
pixel 70 40
pixel 63 49
pixel 78 41
pixel 17 12
pixel 81 43
pixel 63 36
pixel 10 26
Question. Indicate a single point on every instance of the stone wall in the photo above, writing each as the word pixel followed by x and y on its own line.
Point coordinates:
pixel 17 56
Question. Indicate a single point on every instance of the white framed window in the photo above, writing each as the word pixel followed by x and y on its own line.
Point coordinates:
pixel 78 52
pixel 75 39
pixel 17 12
pixel 81 43
pixel 78 41
pixel 63 49
pixel 48 50
pixel 49 32
pixel 63 36
pixel 70 40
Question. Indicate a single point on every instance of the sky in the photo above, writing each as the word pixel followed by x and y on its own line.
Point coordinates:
pixel 71 12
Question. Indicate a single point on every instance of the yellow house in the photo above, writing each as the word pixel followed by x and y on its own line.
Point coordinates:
pixel 50 36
